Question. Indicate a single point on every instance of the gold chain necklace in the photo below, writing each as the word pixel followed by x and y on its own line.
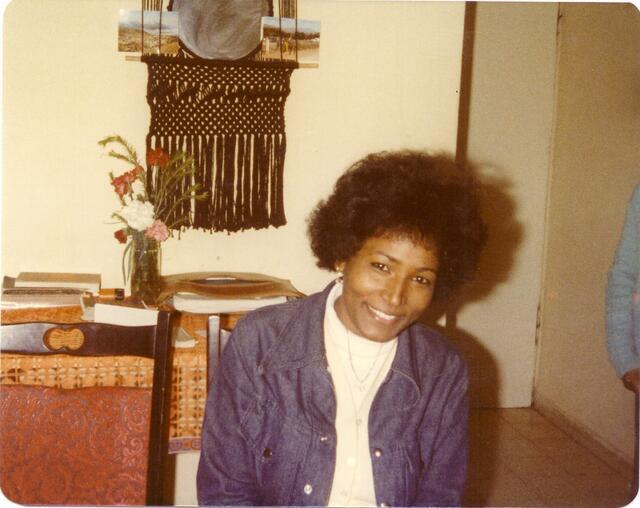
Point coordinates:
pixel 362 381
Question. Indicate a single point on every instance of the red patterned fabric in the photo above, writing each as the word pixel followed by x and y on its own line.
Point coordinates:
pixel 85 446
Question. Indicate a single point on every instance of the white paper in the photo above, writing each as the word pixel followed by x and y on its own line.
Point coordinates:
pixel 199 304
pixel 125 316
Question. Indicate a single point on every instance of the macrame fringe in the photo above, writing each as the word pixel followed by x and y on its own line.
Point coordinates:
pixel 243 174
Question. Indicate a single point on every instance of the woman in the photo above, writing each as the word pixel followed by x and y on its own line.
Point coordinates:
pixel 342 398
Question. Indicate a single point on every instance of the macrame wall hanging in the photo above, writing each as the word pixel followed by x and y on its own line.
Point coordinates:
pixel 229 115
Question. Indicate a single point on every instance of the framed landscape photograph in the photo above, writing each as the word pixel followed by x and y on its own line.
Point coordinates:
pixel 290 39
pixel 158 30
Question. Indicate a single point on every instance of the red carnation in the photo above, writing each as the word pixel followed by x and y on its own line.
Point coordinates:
pixel 121 184
pixel 121 235
pixel 157 157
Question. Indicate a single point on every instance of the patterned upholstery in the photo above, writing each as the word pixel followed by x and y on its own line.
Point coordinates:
pixel 85 446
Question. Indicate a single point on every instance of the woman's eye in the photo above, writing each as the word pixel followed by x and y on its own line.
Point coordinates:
pixel 380 266
pixel 423 280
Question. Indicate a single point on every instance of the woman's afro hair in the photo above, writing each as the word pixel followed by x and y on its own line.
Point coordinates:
pixel 431 199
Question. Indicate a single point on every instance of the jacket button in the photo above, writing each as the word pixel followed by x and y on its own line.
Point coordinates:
pixel 384 505
pixel 377 452
pixel 267 453
pixel 324 439
pixel 308 489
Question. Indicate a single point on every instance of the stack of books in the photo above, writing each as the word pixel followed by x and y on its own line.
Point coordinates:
pixel 47 289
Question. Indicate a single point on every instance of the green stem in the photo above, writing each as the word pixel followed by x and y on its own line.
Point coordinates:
pixel 127 249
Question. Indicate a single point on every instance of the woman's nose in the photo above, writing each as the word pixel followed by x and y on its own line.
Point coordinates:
pixel 395 291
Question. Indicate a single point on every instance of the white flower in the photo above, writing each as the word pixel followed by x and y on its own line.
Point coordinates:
pixel 138 214
pixel 137 188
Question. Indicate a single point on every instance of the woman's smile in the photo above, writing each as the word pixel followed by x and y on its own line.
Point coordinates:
pixel 384 317
pixel 388 284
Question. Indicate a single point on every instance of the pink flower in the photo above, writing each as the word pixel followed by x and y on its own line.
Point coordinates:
pixel 121 235
pixel 158 231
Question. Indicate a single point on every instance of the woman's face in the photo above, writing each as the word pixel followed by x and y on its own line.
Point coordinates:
pixel 388 284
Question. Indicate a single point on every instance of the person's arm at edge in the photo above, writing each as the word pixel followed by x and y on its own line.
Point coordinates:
pixel 619 297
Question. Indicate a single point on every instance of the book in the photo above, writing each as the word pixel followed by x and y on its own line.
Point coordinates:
pixel 83 281
pixel 24 297
pixel 202 304
pixel 123 315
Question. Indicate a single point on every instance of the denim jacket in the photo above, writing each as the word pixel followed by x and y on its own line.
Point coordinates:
pixel 269 437
pixel 623 301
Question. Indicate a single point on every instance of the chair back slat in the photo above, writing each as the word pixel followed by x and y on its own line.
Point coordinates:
pixel 99 339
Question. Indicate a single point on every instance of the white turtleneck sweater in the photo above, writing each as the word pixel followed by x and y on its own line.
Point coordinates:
pixel 354 391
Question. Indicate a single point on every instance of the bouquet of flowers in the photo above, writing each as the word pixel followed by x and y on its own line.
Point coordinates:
pixel 145 213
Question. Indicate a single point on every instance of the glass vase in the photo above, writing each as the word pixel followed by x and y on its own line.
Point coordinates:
pixel 145 268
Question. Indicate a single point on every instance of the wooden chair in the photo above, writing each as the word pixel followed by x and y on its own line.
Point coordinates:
pixel 219 327
pixel 85 446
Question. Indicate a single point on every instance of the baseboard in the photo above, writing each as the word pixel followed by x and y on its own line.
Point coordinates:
pixel 583 435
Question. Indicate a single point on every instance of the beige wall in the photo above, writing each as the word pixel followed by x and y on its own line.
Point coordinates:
pixel 596 163
pixel 388 78
pixel 510 120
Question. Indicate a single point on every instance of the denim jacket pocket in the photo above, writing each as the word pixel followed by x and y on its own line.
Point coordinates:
pixel 279 447
pixel 396 472
pixel 413 467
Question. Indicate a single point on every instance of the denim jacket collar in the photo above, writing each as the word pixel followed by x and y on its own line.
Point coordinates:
pixel 293 353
